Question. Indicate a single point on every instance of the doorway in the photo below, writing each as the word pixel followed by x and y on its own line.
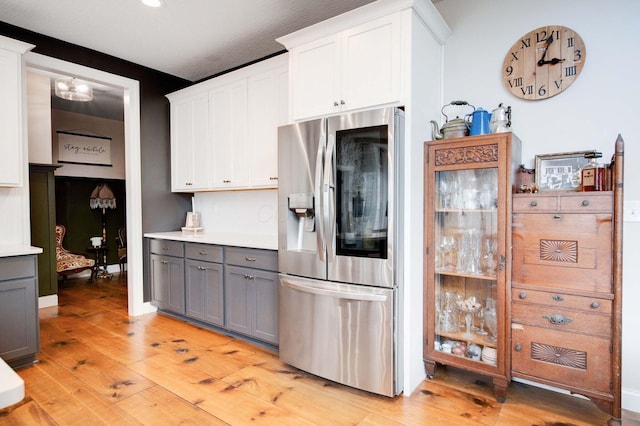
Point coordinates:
pixel 133 180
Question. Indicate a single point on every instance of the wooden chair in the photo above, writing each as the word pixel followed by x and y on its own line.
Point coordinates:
pixel 122 249
pixel 68 263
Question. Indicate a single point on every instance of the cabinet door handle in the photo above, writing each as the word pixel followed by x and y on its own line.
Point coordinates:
pixel 273 178
pixel 188 183
pixel 595 305
pixel 164 262
pixel 533 203
pixel 250 259
pixel 558 319
pixel 203 253
pixel 248 277
pixel 226 181
pixel 335 103
pixel 557 298
pixel 518 347
pixel 202 268
pixel 165 248
pixel 557 217
pixel 523 295
pixel 341 101
pixel 585 203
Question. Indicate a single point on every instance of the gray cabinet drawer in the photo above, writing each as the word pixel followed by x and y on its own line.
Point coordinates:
pixel 205 252
pixel 17 267
pixel 166 247
pixel 252 258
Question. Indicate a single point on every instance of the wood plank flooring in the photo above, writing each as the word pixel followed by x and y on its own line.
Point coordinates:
pixel 99 366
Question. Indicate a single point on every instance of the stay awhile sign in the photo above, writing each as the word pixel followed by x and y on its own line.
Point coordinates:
pixel 84 149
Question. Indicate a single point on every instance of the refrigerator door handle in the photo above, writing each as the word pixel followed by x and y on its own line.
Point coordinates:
pixel 328 195
pixel 319 184
pixel 336 294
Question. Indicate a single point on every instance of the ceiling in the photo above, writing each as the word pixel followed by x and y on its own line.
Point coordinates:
pixel 191 39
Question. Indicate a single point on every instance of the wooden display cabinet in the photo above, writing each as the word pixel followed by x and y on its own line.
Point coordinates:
pixel 467 259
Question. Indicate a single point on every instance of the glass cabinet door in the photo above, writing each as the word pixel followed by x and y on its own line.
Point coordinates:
pixel 466 261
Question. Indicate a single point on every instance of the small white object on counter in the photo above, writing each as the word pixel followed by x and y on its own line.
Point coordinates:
pixel 11 386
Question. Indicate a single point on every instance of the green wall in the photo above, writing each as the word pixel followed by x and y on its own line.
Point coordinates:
pixel 82 223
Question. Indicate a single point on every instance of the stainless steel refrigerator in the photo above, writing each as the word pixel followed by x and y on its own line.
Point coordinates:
pixel 338 245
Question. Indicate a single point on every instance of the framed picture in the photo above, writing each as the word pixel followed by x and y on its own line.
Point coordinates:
pixel 560 171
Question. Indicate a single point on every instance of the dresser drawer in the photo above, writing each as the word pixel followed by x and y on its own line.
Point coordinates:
pixel 563 251
pixel 252 258
pixel 587 202
pixel 166 247
pixel 554 299
pixel 564 202
pixel 561 319
pixel 557 356
pixel 205 252
pixel 534 204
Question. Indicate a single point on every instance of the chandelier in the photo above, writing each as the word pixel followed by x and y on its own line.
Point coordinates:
pixel 73 90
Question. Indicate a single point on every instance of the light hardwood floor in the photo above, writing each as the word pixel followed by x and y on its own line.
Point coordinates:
pixel 98 366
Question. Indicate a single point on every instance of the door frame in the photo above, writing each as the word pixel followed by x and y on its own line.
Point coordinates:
pixel 133 177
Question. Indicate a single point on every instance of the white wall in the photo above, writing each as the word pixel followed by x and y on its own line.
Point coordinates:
pixel 39 118
pixel 601 103
pixel 97 126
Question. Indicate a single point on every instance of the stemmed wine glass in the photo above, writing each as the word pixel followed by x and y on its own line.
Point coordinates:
pixel 481 329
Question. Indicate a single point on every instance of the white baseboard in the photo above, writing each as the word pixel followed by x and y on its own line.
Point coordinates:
pixel 47 301
pixel 631 400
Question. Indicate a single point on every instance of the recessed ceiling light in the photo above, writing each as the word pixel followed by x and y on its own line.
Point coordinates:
pixel 153 3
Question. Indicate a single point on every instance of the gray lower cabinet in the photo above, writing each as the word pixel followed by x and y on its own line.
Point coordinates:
pixel 19 325
pixel 204 283
pixel 233 288
pixel 251 298
pixel 166 275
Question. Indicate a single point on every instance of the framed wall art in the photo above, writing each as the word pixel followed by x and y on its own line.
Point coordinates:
pixel 560 172
pixel 80 148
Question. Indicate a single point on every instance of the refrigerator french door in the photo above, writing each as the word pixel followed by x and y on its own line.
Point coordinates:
pixel 338 245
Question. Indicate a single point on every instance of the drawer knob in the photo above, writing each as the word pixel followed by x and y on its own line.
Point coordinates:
pixel 585 203
pixel 558 319
pixel 522 295
pixel 203 253
pixel 595 305
pixel 518 347
pixel 557 298
pixel 533 203
pixel 250 259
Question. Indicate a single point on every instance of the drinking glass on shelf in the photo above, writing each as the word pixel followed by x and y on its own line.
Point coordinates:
pixel 448 252
pixel 481 329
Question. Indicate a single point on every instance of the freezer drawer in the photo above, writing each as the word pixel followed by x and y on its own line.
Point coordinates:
pixel 341 332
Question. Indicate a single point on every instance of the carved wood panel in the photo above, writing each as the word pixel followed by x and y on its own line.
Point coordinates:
pixel 560 356
pixel 559 251
pixel 466 155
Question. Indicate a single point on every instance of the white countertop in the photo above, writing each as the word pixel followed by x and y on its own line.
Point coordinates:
pixel 8 251
pixel 269 242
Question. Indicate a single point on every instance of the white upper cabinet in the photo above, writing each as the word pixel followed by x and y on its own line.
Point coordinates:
pixel 224 131
pixel 13 156
pixel 229 139
pixel 356 68
pixel 267 94
pixel 190 148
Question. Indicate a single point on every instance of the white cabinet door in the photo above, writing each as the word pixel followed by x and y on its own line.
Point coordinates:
pixel 315 71
pixel 354 69
pixel 228 121
pixel 370 63
pixel 190 152
pixel 11 143
pixel 267 99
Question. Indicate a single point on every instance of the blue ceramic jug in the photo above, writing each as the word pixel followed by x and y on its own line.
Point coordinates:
pixel 479 122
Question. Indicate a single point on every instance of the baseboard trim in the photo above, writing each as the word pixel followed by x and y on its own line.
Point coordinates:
pixel 47 301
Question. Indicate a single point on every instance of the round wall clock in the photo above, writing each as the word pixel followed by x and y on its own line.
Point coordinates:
pixel 543 62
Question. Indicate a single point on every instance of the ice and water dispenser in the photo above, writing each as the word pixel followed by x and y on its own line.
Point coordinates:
pixel 302 223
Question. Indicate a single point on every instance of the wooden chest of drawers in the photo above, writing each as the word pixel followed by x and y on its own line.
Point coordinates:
pixel 562 310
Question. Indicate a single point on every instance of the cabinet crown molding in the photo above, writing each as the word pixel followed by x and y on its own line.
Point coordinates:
pixel 15 45
pixel 425 10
